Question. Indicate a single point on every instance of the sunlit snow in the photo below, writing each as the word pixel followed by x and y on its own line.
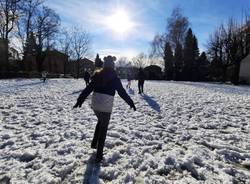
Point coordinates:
pixel 182 132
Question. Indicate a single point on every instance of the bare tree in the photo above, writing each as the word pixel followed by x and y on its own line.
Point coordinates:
pixel 238 48
pixel 177 26
pixel 8 14
pixel 2 23
pixel 80 46
pixel 46 25
pixel 123 62
pixel 155 61
pixel 227 47
pixel 140 61
pixel 26 21
pixel 216 50
pixel 8 18
pixel 65 44
pixel 157 46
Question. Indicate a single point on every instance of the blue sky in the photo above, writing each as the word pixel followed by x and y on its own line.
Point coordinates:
pixel 145 17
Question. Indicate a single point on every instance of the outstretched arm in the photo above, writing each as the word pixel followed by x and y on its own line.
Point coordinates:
pixel 85 93
pixel 123 94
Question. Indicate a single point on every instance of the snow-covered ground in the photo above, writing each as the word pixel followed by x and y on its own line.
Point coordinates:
pixel 181 133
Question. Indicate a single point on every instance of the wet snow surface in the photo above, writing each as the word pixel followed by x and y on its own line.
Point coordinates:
pixel 181 133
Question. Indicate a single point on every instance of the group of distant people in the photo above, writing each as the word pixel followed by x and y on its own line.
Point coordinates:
pixel 104 83
pixel 141 80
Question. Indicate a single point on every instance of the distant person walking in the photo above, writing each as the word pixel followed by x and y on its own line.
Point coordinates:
pixel 86 77
pixel 129 81
pixel 44 76
pixel 104 83
pixel 141 80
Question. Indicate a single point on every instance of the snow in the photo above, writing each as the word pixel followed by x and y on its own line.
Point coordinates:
pixel 182 132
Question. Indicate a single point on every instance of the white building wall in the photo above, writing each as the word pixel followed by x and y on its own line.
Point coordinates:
pixel 245 70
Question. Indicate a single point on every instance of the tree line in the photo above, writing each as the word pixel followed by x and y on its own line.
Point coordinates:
pixel 227 47
pixel 36 28
pixel 178 48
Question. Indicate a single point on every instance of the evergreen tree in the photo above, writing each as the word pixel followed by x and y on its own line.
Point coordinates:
pixel 203 67
pixel 178 62
pixel 98 62
pixel 29 54
pixel 203 59
pixel 191 56
pixel 196 49
pixel 188 53
pixel 196 55
pixel 168 61
pixel 30 45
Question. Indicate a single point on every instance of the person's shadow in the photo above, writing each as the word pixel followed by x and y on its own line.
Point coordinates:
pixel 131 91
pixel 91 175
pixel 26 84
pixel 152 103
pixel 75 92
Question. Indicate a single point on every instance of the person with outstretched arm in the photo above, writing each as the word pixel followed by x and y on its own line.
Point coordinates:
pixel 104 84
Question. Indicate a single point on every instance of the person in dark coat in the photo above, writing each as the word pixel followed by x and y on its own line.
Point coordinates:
pixel 104 84
pixel 86 77
pixel 141 80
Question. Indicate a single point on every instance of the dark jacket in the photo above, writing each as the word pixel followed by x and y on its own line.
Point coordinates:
pixel 86 76
pixel 111 85
pixel 141 75
pixel 129 78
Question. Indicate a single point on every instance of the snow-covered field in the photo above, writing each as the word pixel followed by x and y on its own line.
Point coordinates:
pixel 181 133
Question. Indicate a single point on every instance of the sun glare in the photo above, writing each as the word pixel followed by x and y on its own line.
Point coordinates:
pixel 119 22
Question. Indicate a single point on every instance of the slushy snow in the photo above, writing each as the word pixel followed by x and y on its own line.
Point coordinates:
pixel 182 132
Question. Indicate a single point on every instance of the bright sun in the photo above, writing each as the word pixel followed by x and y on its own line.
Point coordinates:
pixel 119 22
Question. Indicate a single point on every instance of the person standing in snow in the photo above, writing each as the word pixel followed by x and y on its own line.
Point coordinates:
pixel 104 84
pixel 86 77
pixel 141 80
pixel 129 82
pixel 44 76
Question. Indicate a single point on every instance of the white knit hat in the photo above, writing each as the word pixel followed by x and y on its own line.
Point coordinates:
pixel 109 62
